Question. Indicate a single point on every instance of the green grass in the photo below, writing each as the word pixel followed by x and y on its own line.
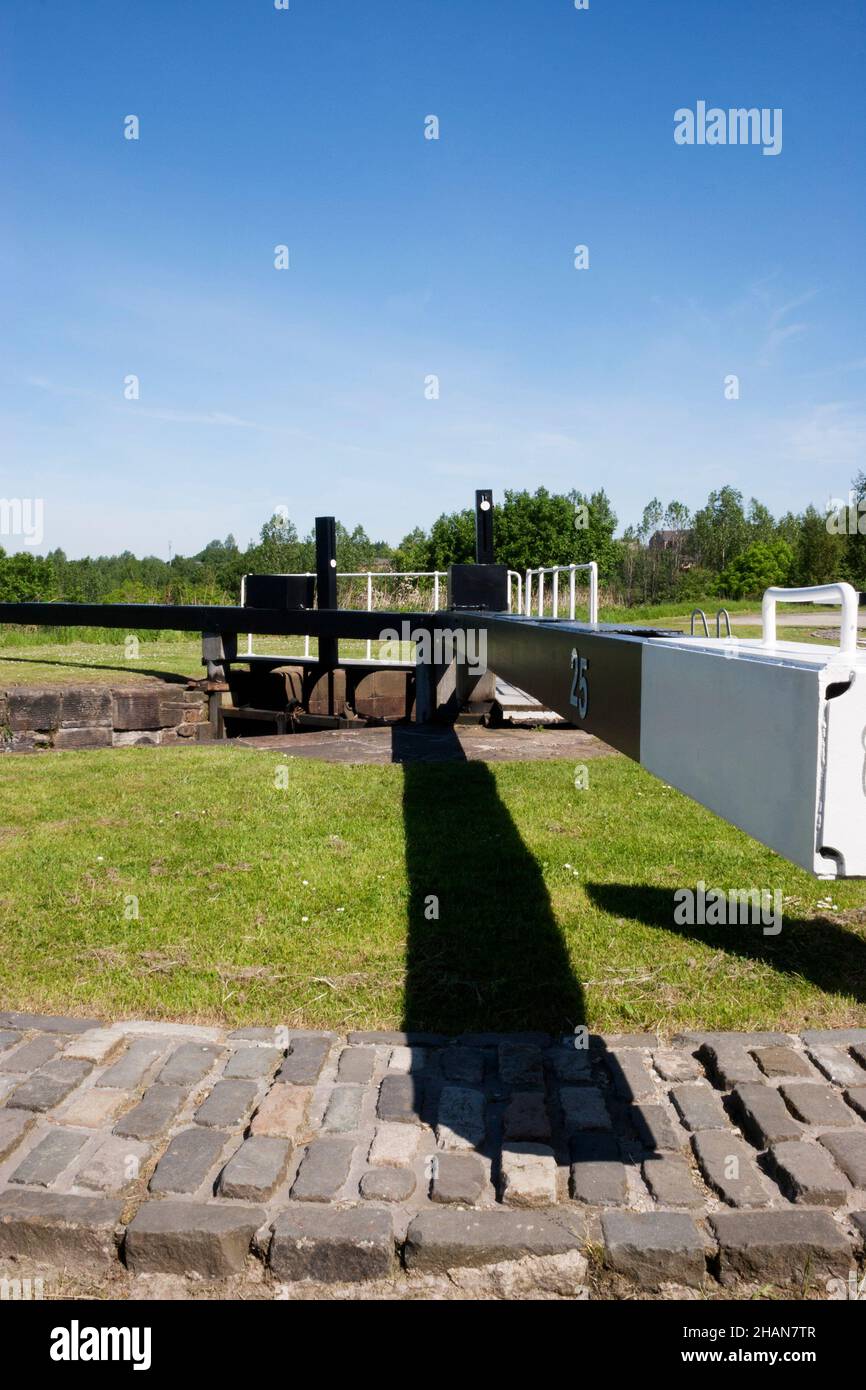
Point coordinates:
pixel 555 905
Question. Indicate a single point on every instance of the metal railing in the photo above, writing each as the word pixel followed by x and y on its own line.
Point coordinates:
pixel 515 579
pixel 370 576
pixel 556 571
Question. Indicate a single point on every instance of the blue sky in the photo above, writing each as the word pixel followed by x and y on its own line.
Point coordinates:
pixel 410 257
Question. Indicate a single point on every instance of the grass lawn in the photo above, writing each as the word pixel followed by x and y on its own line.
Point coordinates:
pixel 314 905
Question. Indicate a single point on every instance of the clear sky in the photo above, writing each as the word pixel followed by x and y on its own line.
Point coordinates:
pixel 410 257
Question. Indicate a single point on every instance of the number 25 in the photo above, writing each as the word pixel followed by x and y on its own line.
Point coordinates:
pixel 579 696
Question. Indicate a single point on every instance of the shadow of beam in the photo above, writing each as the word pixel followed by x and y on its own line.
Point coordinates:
pixel 484 950
pixel 820 951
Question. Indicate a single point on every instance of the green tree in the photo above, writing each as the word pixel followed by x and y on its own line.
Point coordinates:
pixel 760 566
pixel 721 529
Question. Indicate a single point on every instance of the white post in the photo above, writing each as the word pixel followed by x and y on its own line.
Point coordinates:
pixel 593 591
pixel 571 578
pixel 555 603
pixel 369 610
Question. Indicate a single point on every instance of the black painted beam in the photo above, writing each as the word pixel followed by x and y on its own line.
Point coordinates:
pixel 335 622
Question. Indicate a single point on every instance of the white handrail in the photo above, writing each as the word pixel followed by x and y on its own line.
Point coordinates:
pixel 556 571
pixel 369 575
pixel 516 575
pixel 845 594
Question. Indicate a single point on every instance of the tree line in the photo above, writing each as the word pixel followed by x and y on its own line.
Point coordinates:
pixel 728 549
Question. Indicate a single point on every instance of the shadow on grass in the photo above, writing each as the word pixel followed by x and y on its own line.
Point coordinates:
pixel 822 952
pixel 484 950
pixel 169 677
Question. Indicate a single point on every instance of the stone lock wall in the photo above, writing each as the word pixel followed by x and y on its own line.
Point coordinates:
pixel 98 716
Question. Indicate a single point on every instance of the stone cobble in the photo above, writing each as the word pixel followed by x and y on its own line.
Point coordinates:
pixel 184 1149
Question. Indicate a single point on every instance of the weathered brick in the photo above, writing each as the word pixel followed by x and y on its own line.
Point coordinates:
pixel 655 1247
pixel 700 1107
pixel 762 1115
pixel 250 1063
pixel 408 1059
pixel 256 1169
pixel 332 1247
pixel 782 1061
pixel 97 1045
pixel 228 1104
pixel 394 1143
pixel 583 1107
pixel 34 1054
pixel 461 1123
pixel 48 1087
pixel 729 1063
pixel 836 1037
pixel 856 1098
pixel 136 709
pixel 457 1179
pixel 670 1180
pixel 283 1112
pixel 676 1065
pixel 781 1247
pixel 630 1075
pixel 85 706
pixel 176 1237
pixel 47 1159
pixel 836 1064
pixel 397 1038
pixel 730 1169
pixel 817 1104
pixel 849 1151
pixel 807 1174
pixel 384 1184
pixel 323 1171
pixel 654 1127
pixel 598 1176
pixel 53 1229
pixel 527 1175
pixel 189 1064
pixel 442 1239
pixel 306 1058
pixel 521 1066
pixel 154 1112
pixel 115 1165
pixel 34 707
pixel 92 1107
pixel 88 737
pixel 571 1065
pixel 343 1114
pixel 132 1069
pixel 48 1023
pixel 463 1064
pixel 14 1124
pixel 615 1042
pixel 400 1099
pixel 188 1160
pixel 356 1064
pixel 526 1116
